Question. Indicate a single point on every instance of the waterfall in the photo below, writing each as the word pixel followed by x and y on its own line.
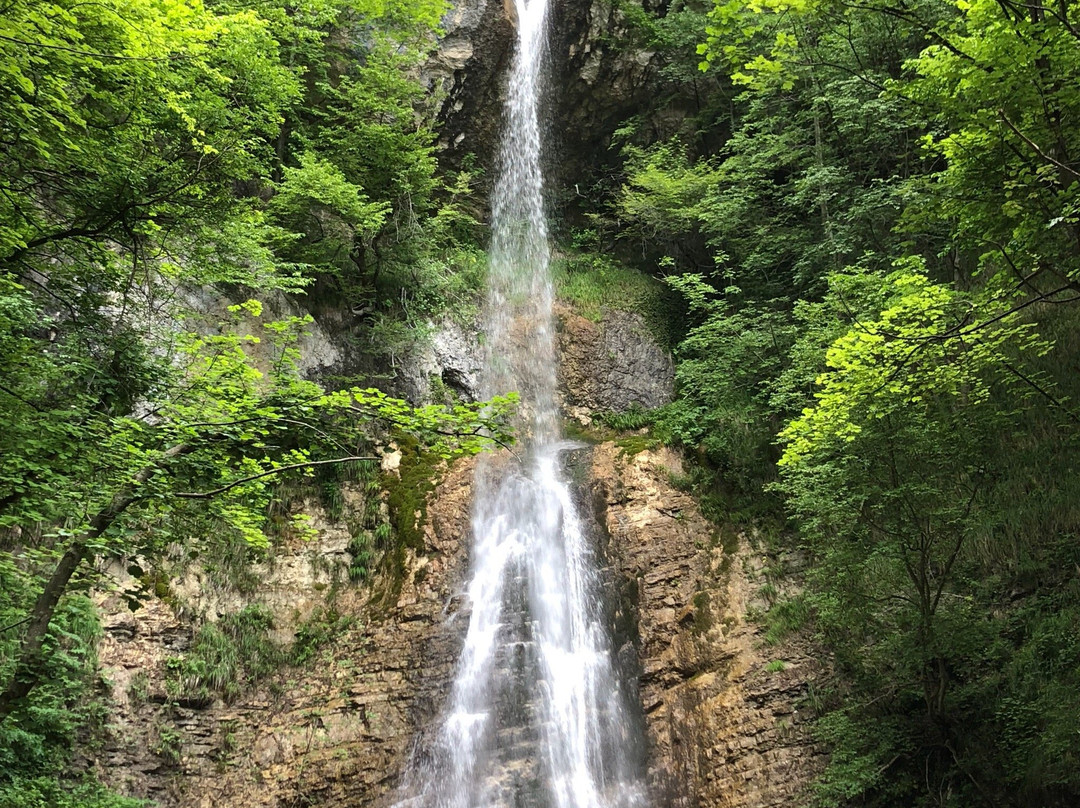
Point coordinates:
pixel 537 717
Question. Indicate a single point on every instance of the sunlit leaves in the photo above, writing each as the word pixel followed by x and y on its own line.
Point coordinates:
pixel 754 40
pixel 930 347
pixel 1002 85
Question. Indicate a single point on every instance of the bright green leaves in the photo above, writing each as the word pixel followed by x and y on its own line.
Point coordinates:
pixel 756 41
pixel 157 156
pixel 141 140
pixel 446 430
pixel 1002 86
pixel 727 362
pixel 870 231
pixel 893 475
pixel 148 103
pixel 330 216
pixel 930 348
pixel 318 188
pixel 664 191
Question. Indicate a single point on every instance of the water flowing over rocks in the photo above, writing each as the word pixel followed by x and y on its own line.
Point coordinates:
pixel 537 715
pixel 722 720
pixel 603 79
pixel 724 728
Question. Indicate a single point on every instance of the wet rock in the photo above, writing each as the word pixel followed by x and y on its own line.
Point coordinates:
pixel 613 365
pixel 723 730
pixel 604 76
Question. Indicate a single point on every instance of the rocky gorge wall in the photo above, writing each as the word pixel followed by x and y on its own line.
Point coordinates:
pixel 724 720
pixel 725 714
pixel 601 74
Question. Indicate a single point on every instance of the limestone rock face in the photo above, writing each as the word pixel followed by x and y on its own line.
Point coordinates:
pixel 611 365
pixel 333 731
pixel 468 69
pixel 452 358
pixel 725 727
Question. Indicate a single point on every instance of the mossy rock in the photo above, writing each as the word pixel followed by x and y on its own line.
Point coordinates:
pixel 407 491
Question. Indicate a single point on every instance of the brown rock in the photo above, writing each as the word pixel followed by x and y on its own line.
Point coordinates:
pixel 722 731
pixel 704 682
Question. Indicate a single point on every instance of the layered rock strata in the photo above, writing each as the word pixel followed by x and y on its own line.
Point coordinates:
pixel 725 715
pixel 333 731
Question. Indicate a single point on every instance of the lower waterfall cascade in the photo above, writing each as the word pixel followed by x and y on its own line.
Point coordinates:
pixel 537 716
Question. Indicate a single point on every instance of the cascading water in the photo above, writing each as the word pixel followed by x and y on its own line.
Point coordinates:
pixel 537 716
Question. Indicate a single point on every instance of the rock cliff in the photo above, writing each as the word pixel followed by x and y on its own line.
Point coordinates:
pixel 334 730
pixel 724 715
pixel 612 365
pixel 603 76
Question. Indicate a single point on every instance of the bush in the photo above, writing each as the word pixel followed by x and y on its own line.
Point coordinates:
pixel 227 658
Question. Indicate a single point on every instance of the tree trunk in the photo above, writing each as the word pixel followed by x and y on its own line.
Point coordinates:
pixel 28 669
pixel 29 665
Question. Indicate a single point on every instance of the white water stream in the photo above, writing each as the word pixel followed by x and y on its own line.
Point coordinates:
pixel 537 717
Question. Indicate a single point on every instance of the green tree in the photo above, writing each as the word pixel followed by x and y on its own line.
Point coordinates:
pixel 139 145
pixel 891 475
pixel 1002 89
pixel 216 430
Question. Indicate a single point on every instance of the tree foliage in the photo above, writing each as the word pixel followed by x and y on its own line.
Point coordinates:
pixel 869 211
pixel 157 156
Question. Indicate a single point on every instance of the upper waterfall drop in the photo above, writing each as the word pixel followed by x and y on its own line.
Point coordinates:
pixel 537 717
pixel 519 313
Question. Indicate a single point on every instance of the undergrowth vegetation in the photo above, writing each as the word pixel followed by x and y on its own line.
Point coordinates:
pixel 594 283
pixel 68 710
pixel 227 657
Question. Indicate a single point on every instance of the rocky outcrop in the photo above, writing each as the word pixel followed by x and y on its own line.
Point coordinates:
pixel 601 75
pixel 725 718
pixel 468 69
pixel 613 365
pixel 447 365
pixel 333 731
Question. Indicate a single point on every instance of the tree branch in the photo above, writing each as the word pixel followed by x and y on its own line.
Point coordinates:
pixel 90 53
pixel 278 470
pixel 1035 146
